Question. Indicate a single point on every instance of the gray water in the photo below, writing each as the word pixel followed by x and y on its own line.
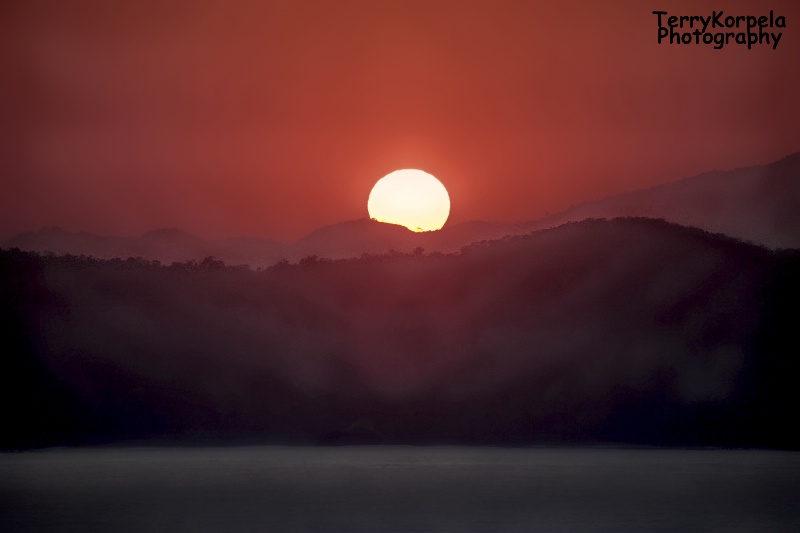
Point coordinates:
pixel 398 489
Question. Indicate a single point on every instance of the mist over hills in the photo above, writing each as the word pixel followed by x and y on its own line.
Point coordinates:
pixel 337 241
pixel 165 245
pixel 631 330
pixel 757 204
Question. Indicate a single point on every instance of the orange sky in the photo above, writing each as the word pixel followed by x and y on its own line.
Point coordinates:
pixel 274 118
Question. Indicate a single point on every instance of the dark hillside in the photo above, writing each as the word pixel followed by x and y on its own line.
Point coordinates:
pixel 632 330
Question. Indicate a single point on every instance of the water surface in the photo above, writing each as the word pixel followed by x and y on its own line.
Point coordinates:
pixel 399 489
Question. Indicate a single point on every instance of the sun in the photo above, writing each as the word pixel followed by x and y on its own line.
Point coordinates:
pixel 411 198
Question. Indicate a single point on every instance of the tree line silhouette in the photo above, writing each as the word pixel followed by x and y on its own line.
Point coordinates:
pixel 631 330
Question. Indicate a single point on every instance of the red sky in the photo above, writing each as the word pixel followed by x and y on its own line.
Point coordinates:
pixel 274 118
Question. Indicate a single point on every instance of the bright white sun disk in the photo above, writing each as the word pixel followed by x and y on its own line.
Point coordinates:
pixel 411 198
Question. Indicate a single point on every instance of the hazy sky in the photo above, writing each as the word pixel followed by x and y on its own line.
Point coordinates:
pixel 274 118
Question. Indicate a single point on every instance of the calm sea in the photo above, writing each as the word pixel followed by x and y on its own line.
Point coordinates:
pixel 399 489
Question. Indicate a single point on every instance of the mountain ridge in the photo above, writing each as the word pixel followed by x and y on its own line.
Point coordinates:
pixel 632 331
pixel 759 204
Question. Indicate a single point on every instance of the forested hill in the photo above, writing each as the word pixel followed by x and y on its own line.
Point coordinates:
pixel 628 331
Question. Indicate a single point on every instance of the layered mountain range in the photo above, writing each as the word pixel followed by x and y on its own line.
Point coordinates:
pixel 631 330
pixel 756 204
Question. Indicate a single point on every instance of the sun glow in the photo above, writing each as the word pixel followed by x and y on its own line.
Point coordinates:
pixel 411 198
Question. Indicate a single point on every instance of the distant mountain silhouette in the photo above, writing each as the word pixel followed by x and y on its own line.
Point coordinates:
pixel 355 237
pixel 757 204
pixel 165 245
pixel 631 330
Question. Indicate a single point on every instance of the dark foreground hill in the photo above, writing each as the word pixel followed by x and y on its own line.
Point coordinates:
pixel 631 331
